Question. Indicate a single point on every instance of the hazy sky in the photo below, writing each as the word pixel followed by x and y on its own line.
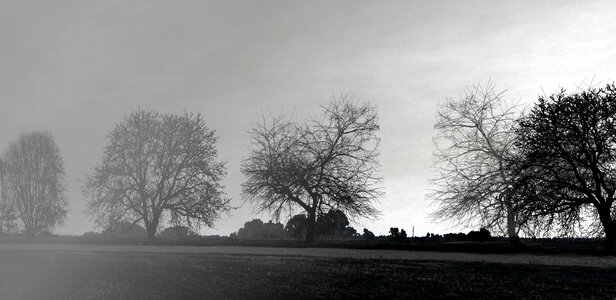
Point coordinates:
pixel 77 67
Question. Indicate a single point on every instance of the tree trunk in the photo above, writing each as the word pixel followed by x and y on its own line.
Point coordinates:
pixel 151 230
pixel 609 225
pixel 151 226
pixel 511 226
pixel 311 227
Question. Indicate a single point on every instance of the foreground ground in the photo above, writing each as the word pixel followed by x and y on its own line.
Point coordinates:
pixel 43 271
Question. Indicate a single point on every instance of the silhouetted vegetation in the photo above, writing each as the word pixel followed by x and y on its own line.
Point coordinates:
pixel 481 235
pixel 368 235
pixel 396 234
pixel 330 225
pixel 567 155
pixel 257 230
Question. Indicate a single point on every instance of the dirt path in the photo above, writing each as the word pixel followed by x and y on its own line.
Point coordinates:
pixel 555 260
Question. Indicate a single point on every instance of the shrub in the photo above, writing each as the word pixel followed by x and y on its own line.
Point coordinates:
pixel 176 233
pixel 257 230
pixel 368 235
pixel 480 236
pixel 124 229
pixel 396 234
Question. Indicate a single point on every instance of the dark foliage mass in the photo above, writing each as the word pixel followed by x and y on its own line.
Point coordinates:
pixel 368 235
pixel 481 235
pixel 397 234
pixel 330 225
pixel 257 230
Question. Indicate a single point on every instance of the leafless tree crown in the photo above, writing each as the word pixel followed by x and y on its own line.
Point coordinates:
pixel 475 139
pixel 325 162
pixel 33 182
pixel 155 166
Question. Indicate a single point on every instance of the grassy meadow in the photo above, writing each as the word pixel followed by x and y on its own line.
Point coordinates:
pixel 45 274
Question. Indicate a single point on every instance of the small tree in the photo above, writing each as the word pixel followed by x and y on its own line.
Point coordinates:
pixel 324 163
pixel 33 182
pixel 156 164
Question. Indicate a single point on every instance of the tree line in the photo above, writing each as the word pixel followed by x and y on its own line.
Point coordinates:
pixel 546 169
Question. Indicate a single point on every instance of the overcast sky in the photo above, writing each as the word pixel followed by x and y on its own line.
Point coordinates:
pixel 77 67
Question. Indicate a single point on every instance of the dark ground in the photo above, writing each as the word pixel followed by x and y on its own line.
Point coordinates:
pixel 44 274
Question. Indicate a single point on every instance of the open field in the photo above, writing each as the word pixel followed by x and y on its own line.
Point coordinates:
pixel 56 271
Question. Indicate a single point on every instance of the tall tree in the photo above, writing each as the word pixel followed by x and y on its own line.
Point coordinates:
pixel 156 166
pixel 475 139
pixel 568 157
pixel 325 162
pixel 33 182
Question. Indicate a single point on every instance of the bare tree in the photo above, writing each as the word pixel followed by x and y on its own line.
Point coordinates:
pixel 474 143
pixel 158 166
pixel 323 163
pixel 33 182
pixel 567 149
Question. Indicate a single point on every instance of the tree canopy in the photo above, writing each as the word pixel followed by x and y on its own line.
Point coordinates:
pixel 158 166
pixel 326 162
pixel 568 158
pixel 474 142
pixel 32 180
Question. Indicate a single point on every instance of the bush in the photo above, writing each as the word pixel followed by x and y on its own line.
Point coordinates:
pixel 368 235
pixel 257 230
pixel 176 233
pixel 333 224
pixel 479 236
pixel 124 229
pixel 456 236
pixel 396 234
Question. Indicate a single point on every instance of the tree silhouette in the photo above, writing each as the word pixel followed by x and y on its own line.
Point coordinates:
pixel 568 156
pixel 32 177
pixel 156 165
pixel 475 141
pixel 323 163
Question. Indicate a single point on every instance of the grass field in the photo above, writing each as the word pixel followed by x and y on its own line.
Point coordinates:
pixel 52 274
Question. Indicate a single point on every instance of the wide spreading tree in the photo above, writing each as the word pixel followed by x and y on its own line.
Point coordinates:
pixel 158 166
pixel 567 156
pixel 329 162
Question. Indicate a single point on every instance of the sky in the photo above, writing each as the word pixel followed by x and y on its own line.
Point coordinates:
pixel 76 68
